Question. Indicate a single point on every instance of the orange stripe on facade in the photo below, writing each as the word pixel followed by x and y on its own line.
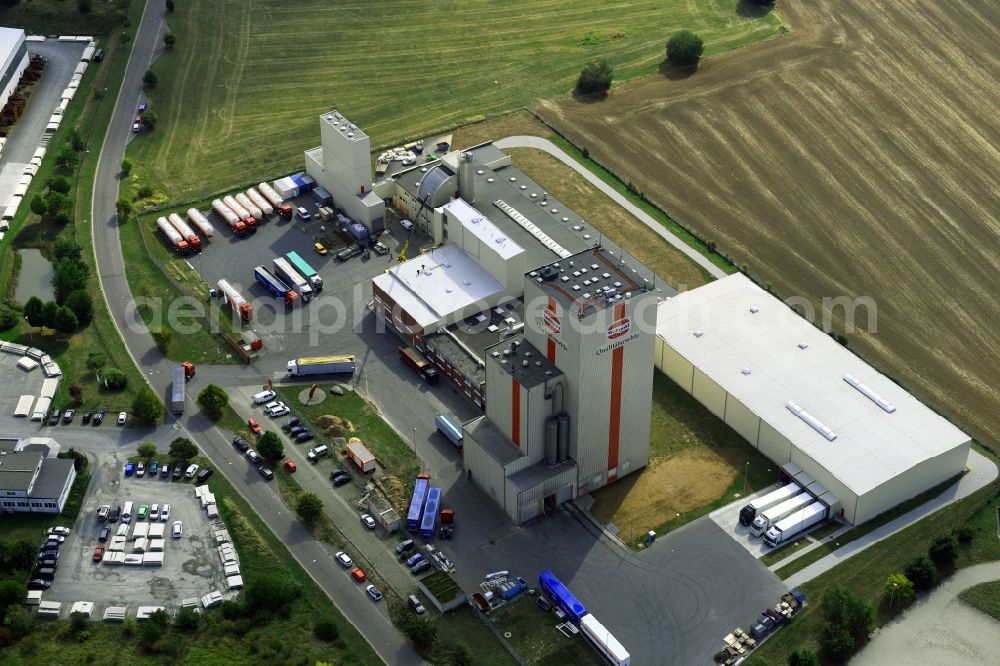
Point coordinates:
pixel 515 412
pixel 615 417
pixel 550 351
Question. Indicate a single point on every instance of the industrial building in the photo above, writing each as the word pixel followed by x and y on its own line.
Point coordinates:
pixel 802 399
pixel 342 166
pixel 32 478
pixel 14 56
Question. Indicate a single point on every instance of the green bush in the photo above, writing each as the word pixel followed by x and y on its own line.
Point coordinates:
pixel 8 318
pixel 114 379
pixel 326 630
pixel 921 572
pixel 944 550
pixel 964 533
pixel 595 78
pixel 213 399
pixel 684 49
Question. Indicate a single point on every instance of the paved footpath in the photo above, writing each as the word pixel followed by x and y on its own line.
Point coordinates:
pixel 981 473
pixel 939 629
pixel 555 151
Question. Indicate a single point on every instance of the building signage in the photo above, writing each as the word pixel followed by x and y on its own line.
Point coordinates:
pixel 551 321
pixel 619 328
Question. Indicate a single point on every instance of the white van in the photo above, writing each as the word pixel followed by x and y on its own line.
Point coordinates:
pixel 318 452
pixel 263 396
pixel 127 512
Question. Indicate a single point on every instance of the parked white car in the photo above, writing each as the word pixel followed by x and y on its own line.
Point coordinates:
pixel 165 514
pixel 275 409
pixel 178 530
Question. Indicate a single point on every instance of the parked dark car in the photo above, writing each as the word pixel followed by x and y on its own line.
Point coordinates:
pixel 352 250
pixel 204 474
pixel 241 443
pixel 98 418
pixel 266 473
pixel 68 416
pixel 85 419
pixel 304 437
pixel 165 471
pixel 45 573
pixel 296 430
pixel 105 533
pixel 420 567
pixel 39 584
pixel 178 471
pixel 340 477
pixel 115 514
pixel 54 419
pixel 405 546
pixel 49 561
pixel 290 423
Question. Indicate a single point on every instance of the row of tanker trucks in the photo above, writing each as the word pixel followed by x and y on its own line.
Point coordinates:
pixel 241 212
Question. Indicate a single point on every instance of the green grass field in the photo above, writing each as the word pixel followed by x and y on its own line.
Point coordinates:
pixel 238 95
pixel 63 17
pixel 985 597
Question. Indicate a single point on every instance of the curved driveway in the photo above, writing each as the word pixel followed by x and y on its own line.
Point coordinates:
pixel 316 558
pixel 564 157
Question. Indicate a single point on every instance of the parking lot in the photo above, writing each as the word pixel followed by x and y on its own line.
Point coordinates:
pixel 191 566
pixel 15 382
pixel 306 328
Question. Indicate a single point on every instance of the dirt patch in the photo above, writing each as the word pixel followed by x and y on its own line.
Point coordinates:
pixel 642 502
pixel 512 124
pixel 842 161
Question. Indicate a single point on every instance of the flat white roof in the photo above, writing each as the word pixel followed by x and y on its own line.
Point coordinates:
pixel 479 225
pixel 436 284
pixel 10 39
pixel 878 429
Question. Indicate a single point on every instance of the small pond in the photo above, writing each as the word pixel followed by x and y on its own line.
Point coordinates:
pixel 35 278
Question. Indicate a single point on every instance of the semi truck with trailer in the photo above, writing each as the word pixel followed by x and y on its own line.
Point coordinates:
pixel 274 286
pixel 449 426
pixel 252 208
pixel 263 204
pixel 321 365
pixel 795 524
pixel 172 235
pixel 196 218
pixel 234 300
pixel 240 211
pixel 186 232
pixel 751 510
pixel 283 209
pixel 178 389
pixel 306 271
pixel 423 367
pixel 428 524
pixel 231 219
pixel 771 516
pixel 416 510
pixel 284 270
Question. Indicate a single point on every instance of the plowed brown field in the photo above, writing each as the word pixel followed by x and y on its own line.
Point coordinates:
pixel 860 156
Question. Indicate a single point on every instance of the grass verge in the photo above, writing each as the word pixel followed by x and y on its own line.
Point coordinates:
pixel 775 556
pixel 847 537
pixel 985 597
pixel 534 636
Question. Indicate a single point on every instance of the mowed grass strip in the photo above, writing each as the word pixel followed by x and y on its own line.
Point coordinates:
pixel 240 92
pixel 985 597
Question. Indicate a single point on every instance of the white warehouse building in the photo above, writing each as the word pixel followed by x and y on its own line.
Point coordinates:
pixel 14 55
pixel 800 397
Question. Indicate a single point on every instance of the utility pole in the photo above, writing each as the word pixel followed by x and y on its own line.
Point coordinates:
pixel 746 477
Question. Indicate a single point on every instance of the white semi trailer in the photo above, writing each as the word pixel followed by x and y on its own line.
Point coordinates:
pixel 755 507
pixel 797 523
pixel 771 516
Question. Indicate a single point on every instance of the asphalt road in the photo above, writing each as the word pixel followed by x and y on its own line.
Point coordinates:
pixel 369 619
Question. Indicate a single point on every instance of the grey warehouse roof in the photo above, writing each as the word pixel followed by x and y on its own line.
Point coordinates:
pixel 52 478
pixel 493 441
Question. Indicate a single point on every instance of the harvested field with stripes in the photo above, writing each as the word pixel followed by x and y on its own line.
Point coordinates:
pixel 856 157
pixel 239 95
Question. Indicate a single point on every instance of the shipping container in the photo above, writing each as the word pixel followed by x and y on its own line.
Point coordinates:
pixel 361 456
pixel 306 271
pixel 428 524
pixel 602 640
pixel 561 596
pixel 274 285
pixel 201 222
pixel 322 197
pixel 286 188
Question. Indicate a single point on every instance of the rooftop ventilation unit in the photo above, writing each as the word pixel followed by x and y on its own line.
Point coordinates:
pixel 803 345
pixel 698 334
pixel 812 421
pixel 745 371
pixel 870 394
pixel 529 226
pixel 754 309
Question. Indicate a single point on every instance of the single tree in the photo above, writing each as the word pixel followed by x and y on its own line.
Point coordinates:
pixel 82 306
pixel 461 655
pixel 66 321
pixel 8 318
pixel 162 337
pixel 146 450
pixel 66 249
pixel 270 446
pixel 76 393
pixel 803 657
pixel 898 589
pixel 57 201
pixel 269 593
pixel 70 275
pixel 187 619
pixel 76 141
pixel 326 629
pixel 150 119
pixel 761 3
pixel 921 572
pixel 123 207
pixel 67 159
pixel 169 40
pixel 125 37
pixel 684 49
pixel 421 632
pixel 79 458
pixel 33 311
pixel 22 556
pixel 126 166
pixel 964 533
pixel 309 507
pixel 83 6
pixel 170 6
pixel 13 591
pixel 146 406
pixel 212 400
pixel 944 550
pixel 50 311
pixel 39 206
pixel 60 184
pixel 595 78
pixel 183 448
pixel 114 379
pixel 837 642
pixel 149 634
pixel 149 79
